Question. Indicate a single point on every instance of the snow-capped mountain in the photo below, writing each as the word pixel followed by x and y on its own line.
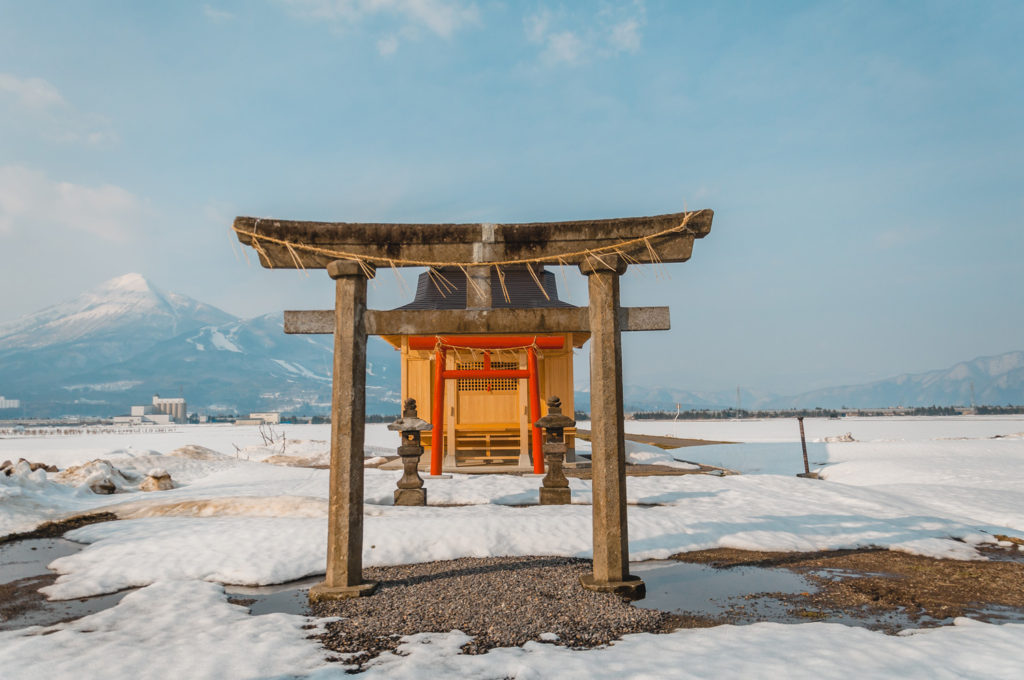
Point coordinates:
pixel 114 321
pixel 117 345
pixel 127 310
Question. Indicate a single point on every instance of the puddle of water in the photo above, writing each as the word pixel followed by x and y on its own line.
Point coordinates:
pixel 35 611
pixel 701 589
pixel 23 571
pixel 22 559
pixel 282 598
pixel 740 595
pixel 834 574
pixel 998 614
pixel 890 621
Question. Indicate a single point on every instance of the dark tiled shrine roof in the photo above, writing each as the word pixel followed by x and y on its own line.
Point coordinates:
pixel 522 290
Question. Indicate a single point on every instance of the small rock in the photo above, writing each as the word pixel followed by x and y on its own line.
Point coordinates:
pixel 103 486
pixel 7 467
pixel 196 452
pixel 92 473
pixel 848 437
pixel 157 480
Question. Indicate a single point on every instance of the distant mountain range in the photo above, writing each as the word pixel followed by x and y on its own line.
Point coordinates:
pixel 116 346
pixel 997 380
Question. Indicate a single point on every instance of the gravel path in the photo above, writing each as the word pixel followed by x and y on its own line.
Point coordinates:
pixel 501 601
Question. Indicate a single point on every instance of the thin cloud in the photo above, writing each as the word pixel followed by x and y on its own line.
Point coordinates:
pixel 563 46
pixel 217 15
pixel 625 36
pixel 37 106
pixel 574 38
pixel 537 25
pixel 30 93
pixel 387 45
pixel 31 200
pixel 443 18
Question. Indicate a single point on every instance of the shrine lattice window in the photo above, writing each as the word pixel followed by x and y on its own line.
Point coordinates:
pixel 487 384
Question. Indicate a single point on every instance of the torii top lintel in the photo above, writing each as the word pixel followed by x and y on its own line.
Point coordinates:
pixel 313 245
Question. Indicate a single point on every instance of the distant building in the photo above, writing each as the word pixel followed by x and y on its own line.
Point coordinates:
pixel 160 412
pixel 174 407
pixel 270 418
pixel 9 403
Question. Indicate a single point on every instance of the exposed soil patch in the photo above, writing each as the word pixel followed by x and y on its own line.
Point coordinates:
pixel 869 582
pixel 21 596
pixel 647 471
pixel 501 601
pixel 57 529
pixel 661 441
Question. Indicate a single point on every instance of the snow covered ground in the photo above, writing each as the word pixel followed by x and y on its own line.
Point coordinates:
pixel 932 486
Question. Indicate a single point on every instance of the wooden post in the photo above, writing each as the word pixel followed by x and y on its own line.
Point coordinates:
pixel 803 445
pixel 344 577
pixel 611 536
pixel 807 474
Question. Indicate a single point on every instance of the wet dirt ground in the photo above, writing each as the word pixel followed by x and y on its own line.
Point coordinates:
pixel 23 572
pixel 886 590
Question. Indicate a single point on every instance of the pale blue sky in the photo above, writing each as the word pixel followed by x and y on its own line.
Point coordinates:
pixel 865 160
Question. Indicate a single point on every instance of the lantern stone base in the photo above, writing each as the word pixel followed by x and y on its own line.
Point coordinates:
pixel 555 496
pixel 323 592
pixel 632 588
pixel 410 496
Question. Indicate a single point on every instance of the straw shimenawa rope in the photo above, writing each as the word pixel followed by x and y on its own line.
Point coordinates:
pixel 614 248
pixel 589 255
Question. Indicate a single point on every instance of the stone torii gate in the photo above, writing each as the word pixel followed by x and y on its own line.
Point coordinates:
pixel 351 252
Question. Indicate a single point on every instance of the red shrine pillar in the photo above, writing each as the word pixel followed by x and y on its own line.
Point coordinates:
pixel 437 417
pixel 533 382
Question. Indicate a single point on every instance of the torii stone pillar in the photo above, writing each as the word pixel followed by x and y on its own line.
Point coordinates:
pixel 607 433
pixel 348 424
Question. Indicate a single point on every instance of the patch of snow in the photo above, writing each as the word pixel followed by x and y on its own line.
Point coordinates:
pixel 183 629
pixel 656 456
pixel 222 343
pixel 815 651
pixel 299 369
pixel 118 386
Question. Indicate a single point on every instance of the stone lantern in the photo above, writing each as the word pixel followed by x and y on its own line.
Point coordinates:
pixel 555 489
pixel 410 487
